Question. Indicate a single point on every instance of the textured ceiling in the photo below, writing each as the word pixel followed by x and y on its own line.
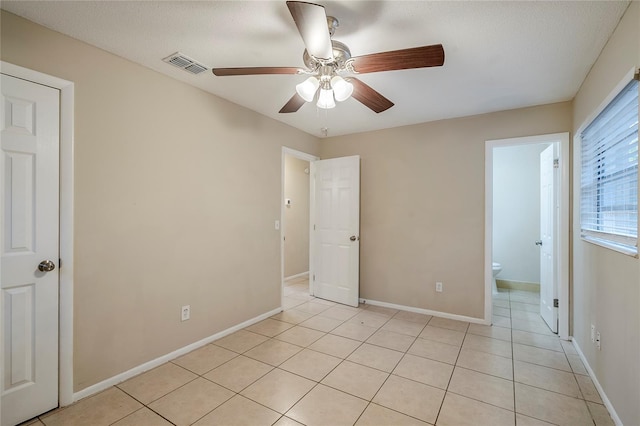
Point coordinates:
pixel 498 55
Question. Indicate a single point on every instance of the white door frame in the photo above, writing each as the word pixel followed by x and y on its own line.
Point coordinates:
pixel 65 344
pixel 562 255
pixel 310 158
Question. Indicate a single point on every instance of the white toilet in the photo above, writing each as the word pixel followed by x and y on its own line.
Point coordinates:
pixel 496 270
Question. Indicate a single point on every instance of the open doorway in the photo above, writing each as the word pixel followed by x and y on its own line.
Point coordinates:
pixel 526 238
pixel 295 226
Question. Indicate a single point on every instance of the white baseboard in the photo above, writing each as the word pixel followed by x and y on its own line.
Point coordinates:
pixel 293 277
pixel 426 312
pixel 605 400
pixel 105 384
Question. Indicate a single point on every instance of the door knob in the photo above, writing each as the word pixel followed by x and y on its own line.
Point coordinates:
pixel 46 266
pixel 353 238
pixel 539 242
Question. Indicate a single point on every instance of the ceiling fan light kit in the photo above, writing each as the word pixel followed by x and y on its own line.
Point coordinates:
pixel 327 60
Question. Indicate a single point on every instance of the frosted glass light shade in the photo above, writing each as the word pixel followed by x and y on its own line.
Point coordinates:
pixel 307 89
pixel 325 100
pixel 342 89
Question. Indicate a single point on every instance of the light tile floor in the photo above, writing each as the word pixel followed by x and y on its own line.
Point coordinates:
pixel 320 363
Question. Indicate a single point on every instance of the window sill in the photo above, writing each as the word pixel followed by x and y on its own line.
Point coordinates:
pixel 629 251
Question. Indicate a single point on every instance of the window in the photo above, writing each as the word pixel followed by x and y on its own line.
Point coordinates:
pixel 609 179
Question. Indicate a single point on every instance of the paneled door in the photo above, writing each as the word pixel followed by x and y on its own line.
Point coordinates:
pixel 548 208
pixel 29 188
pixel 335 251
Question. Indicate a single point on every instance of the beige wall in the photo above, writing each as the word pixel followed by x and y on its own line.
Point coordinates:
pixel 422 205
pixel 606 284
pixel 296 216
pixel 176 193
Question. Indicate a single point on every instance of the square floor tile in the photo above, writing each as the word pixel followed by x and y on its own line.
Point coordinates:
pixel 335 345
pixel 503 312
pixel 483 387
pixel 187 404
pixel 292 316
pixel 545 357
pixel 409 397
pixel 269 327
pixel 600 414
pixel 568 347
pixel 300 336
pixel 487 344
pixel 291 302
pixel 311 364
pixel 312 307
pixel 286 421
pixel 527 307
pixel 551 406
pixel 538 340
pixel 576 364
pixel 499 321
pixel 356 379
pixel 538 326
pixel 321 323
pixel 142 417
pixel 103 408
pixel 205 359
pixel 522 420
pixel 376 415
pixel 354 331
pixel 588 389
pixel 326 406
pixel 338 313
pixel 487 363
pixel 153 384
pixel 460 411
pixel 492 331
pixel 449 324
pixel 403 327
pixel 435 350
pixel 546 378
pixel 442 335
pixel 391 340
pixel 381 310
pixel 239 411
pixel 501 303
pixel 278 390
pixel 376 357
pixel 241 341
pixel 273 352
pixel 370 319
pixel 238 373
pixel 413 317
pixel 424 370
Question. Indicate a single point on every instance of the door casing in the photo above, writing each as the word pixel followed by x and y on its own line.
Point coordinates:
pixel 562 254
pixel 65 344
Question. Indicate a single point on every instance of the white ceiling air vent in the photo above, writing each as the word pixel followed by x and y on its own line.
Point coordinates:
pixel 186 63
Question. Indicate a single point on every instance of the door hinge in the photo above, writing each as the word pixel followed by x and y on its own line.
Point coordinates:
pixel 59 263
pixel 636 76
pixel 556 163
pixel 555 303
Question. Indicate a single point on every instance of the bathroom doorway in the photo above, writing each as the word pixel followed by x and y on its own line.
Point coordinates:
pixel 513 233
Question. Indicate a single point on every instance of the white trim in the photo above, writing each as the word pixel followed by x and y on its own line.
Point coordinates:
pixel 65 396
pixel 112 381
pixel 562 274
pixel 603 395
pixel 310 158
pixel 426 312
pixel 293 277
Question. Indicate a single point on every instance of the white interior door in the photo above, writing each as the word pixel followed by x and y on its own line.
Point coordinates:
pixel 336 229
pixel 29 237
pixel 548 291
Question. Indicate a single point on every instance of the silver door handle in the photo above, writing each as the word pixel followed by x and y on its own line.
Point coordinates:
pixel 46 266
pixel 539 242
pixel 353 238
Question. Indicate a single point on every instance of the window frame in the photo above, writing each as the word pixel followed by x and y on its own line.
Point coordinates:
pixel 607 240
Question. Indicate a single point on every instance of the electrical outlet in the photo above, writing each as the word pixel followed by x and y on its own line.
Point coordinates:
pixel 593 333
pixel 598 340
pixel 186 312
pixel 439 287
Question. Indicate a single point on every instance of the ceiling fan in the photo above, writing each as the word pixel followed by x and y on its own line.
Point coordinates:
pixel 327 60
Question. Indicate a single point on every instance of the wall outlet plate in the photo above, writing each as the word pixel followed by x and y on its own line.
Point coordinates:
pixel 185 312
pixel 598 343
pixel 439 287
pixel 593 333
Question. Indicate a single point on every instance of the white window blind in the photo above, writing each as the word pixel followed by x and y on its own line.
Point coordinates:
pixel 609 179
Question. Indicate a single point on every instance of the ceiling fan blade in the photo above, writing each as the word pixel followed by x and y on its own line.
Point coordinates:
pixel 369 97
pixel 311 21
pixel 293 105
pixel 416 57
pixel 255 71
